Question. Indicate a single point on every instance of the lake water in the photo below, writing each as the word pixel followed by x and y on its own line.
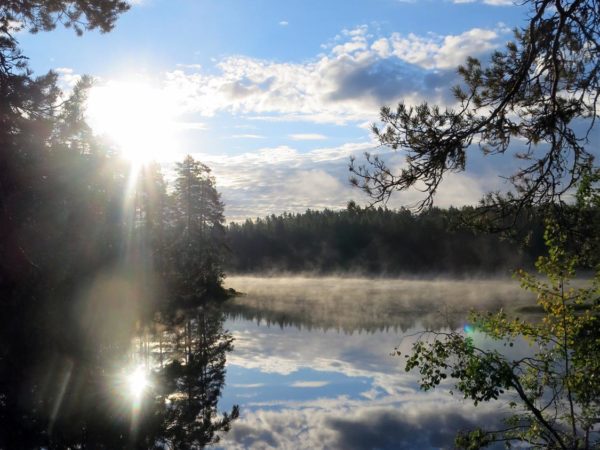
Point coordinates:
pixel 312 365
pixel 294 363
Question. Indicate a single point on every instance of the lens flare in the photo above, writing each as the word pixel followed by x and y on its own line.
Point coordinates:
pixel 137 382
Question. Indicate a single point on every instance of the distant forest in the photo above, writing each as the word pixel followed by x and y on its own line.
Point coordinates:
pixel 379 241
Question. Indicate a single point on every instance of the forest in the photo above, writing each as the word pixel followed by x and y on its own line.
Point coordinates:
pixel 115 333
pixel 93 250
pixel 382 242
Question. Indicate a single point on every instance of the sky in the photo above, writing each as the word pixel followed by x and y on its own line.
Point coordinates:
pixel 276 96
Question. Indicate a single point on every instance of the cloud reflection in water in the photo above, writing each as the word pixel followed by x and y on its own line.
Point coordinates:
pixel 315 355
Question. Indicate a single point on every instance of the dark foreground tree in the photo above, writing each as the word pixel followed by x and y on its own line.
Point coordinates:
pixel 69 296
pixel 530 100
pixel 45 153
pixel 538 98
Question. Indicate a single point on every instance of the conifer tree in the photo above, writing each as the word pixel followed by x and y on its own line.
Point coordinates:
pixel 200 238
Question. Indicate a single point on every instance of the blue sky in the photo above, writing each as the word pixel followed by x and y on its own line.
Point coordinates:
pixel 276 96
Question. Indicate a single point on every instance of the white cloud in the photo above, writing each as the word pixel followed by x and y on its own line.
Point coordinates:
pixel 348 83
pixel 247 136
pixel 345 329
pixel 307 137
pixel 309 384
pixel 199 126
pixel 284 23
pixel 430 421
pixel 317 189
pixel 248 385
pixel 67 78
pixel 443 52
pixel 273 180
pixel 381 47
pixel 190 66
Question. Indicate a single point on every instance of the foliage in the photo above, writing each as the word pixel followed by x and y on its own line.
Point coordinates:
pixel 555 390
pixel 193 379
pixel 376 241
pixel 72 215
pixel 199 241
pixel 531 97
pixel 44 15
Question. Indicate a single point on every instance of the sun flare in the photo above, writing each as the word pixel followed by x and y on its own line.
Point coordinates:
pixel 137 117
pixel 137 382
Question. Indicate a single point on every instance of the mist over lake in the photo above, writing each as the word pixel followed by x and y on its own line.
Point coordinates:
pixel 312 364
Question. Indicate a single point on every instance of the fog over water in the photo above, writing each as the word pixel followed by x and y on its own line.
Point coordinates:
pixel 351 304
pixel 312 365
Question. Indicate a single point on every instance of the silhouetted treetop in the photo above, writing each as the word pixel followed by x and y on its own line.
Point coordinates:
pixel 530 97
pixel 44 15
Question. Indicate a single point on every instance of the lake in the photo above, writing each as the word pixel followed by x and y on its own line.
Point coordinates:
pixel 312 364
pixel 295 362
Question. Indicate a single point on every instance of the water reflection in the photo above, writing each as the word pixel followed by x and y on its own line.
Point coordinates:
pixel 352 305
pixel 161 392
pixel 312 367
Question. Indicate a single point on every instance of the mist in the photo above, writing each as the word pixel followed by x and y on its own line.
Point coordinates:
pixel 367 304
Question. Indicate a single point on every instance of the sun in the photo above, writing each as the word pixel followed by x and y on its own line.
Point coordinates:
pixel 138 382
pixel 138 117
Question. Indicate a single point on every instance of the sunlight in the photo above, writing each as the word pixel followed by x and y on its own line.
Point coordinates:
pixel 137 117
pixel 137 382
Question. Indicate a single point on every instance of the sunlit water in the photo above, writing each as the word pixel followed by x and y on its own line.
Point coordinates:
pixel 313 367
pixel 304 363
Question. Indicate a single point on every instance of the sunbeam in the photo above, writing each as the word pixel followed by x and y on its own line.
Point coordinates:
pixel 136 116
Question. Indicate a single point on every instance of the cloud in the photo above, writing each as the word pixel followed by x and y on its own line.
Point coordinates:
pixel 190 66
pixel 421 425
pixel 429 422
pixel 348 83
pixel 198 126
pixel 277 179
pixel 284 23
pixel 370 401
pixel 67 78
pixel 248 385
pixel 273 180
pixel 357 72
pixel 309 384
pixel 247 136
pixel 442 52
pixel 307 137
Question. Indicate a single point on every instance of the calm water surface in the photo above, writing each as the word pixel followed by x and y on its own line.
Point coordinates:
pixel 312 364
pixel 293 363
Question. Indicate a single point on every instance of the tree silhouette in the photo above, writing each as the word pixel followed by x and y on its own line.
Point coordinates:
pixel 531 98
pixel 543 86
pixel 199 242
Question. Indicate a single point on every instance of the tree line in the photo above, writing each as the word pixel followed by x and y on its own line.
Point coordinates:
pixel 380 241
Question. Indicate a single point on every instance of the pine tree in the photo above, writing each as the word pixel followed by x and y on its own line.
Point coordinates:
pixel 200 234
